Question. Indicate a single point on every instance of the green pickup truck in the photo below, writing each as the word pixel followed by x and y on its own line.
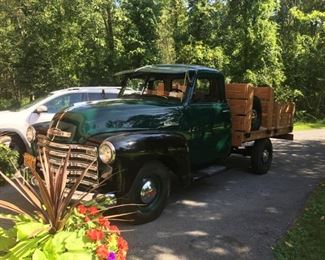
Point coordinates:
pixel 168 123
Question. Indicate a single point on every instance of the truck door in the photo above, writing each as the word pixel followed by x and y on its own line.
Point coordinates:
pixel 208 120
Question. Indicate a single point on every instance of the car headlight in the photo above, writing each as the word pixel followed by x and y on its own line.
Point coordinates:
pixel 106 152
pixel 30 134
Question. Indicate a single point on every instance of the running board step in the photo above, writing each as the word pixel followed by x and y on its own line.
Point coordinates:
pixel 208 172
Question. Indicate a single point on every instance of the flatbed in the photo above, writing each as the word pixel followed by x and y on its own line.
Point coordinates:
pixel 247 102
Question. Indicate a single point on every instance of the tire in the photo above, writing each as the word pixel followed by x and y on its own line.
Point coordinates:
pixel 5 140
pixel 256 114
pixel 157 175
pixel 262 155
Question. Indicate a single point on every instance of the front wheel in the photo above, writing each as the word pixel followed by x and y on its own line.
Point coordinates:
pixel 150 190
pixel 262 155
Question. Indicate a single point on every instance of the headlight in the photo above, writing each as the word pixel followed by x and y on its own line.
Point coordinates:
pixel 106 152
pixel 30 134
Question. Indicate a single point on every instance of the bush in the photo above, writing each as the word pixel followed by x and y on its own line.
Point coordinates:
pixel 59 227
pixel 6 104
pixel 8 161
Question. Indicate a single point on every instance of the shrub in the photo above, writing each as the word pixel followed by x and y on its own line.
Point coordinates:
pixel 59 227
pixel 8 161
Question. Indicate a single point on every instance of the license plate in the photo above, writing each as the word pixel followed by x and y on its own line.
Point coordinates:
pixel 30 161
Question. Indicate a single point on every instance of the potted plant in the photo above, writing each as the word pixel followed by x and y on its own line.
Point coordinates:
pixel 58 227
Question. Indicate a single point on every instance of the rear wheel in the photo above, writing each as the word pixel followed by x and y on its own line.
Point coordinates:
pixel 262 155
pixel 150 190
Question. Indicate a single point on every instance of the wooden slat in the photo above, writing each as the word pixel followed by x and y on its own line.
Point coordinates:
pixel 241 123
pixel 239 91
pixel 240 106
pixel 267 114
pixel 259 134
pixel 264 93
pixel 237 138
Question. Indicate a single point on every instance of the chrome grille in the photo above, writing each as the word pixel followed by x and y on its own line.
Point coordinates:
pixel 81 156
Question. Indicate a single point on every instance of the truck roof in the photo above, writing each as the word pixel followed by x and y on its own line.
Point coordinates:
pixel 169 69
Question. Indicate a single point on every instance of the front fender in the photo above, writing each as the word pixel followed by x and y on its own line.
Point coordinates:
pixel 134 149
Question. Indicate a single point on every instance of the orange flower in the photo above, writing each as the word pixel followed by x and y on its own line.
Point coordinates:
pixel 93 210
pixel 81 209
pixel 104 222
pixel 95 234
pixel 122 244
pixel 121 255
pixel 114 229
pixel 87 219
pixel 102 252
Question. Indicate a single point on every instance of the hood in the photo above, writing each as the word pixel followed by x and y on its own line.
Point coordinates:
pixel 9 118
pixel 92 118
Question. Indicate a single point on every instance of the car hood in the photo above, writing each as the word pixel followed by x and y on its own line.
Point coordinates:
pixel 93 118
pixel 9 118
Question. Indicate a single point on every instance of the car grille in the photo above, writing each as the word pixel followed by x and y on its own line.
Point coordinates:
pixel 81 156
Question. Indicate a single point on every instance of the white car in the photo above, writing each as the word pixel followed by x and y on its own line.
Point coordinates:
pixel 15 123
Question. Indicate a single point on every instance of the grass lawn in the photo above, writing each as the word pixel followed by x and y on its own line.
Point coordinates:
pixel 306 239
pixel 299 126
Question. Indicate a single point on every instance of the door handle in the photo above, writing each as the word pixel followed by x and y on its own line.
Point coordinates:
pixel 226 111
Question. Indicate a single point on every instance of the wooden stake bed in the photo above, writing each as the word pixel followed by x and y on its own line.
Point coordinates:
pixel 277 118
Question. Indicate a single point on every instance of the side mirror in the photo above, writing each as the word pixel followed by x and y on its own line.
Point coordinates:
pixel 41 109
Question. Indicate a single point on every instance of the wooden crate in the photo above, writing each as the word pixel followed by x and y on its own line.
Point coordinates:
pixel 241 123
pixel 283 114
pixel 240 106
pixel 264 93
pixel 267 114
pixel 239 91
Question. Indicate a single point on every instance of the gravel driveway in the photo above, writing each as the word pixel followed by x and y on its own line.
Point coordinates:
pixel 234 214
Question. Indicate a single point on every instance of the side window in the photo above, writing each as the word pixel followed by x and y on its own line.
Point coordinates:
pixel 206 90
pixel 59 103
pixel 96 96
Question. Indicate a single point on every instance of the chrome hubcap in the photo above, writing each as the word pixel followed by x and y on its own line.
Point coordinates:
pixel 266 156
pixel 254 114
pixel 148 191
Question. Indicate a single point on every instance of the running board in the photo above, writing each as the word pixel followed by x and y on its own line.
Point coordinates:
pixel 208 172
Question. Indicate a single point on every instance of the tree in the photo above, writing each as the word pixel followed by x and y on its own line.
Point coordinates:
pixel 252 44
pixel 139 32
pixel 304 58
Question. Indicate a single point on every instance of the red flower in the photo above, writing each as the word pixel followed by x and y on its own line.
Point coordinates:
pixel 95 234
pixel 87 219
pixel 122 244
pixel 102 252
pixel 93 210
pixel 104 222
pixel 82 209
pixel 114 229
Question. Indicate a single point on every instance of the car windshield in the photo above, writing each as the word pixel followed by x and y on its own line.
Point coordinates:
pixel 32 103
pixel 163 86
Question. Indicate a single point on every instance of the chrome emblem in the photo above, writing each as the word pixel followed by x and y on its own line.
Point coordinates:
pixel 58 132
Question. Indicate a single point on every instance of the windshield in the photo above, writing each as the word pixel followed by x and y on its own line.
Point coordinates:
pixel 33 102
pixel 169 87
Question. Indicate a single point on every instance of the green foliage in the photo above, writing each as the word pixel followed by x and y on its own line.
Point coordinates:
pixel 198 53
pixel 58 228
pixel 302 125
pixel 46 46
pixel 306 239
pixel 8 161
pixel 252 43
